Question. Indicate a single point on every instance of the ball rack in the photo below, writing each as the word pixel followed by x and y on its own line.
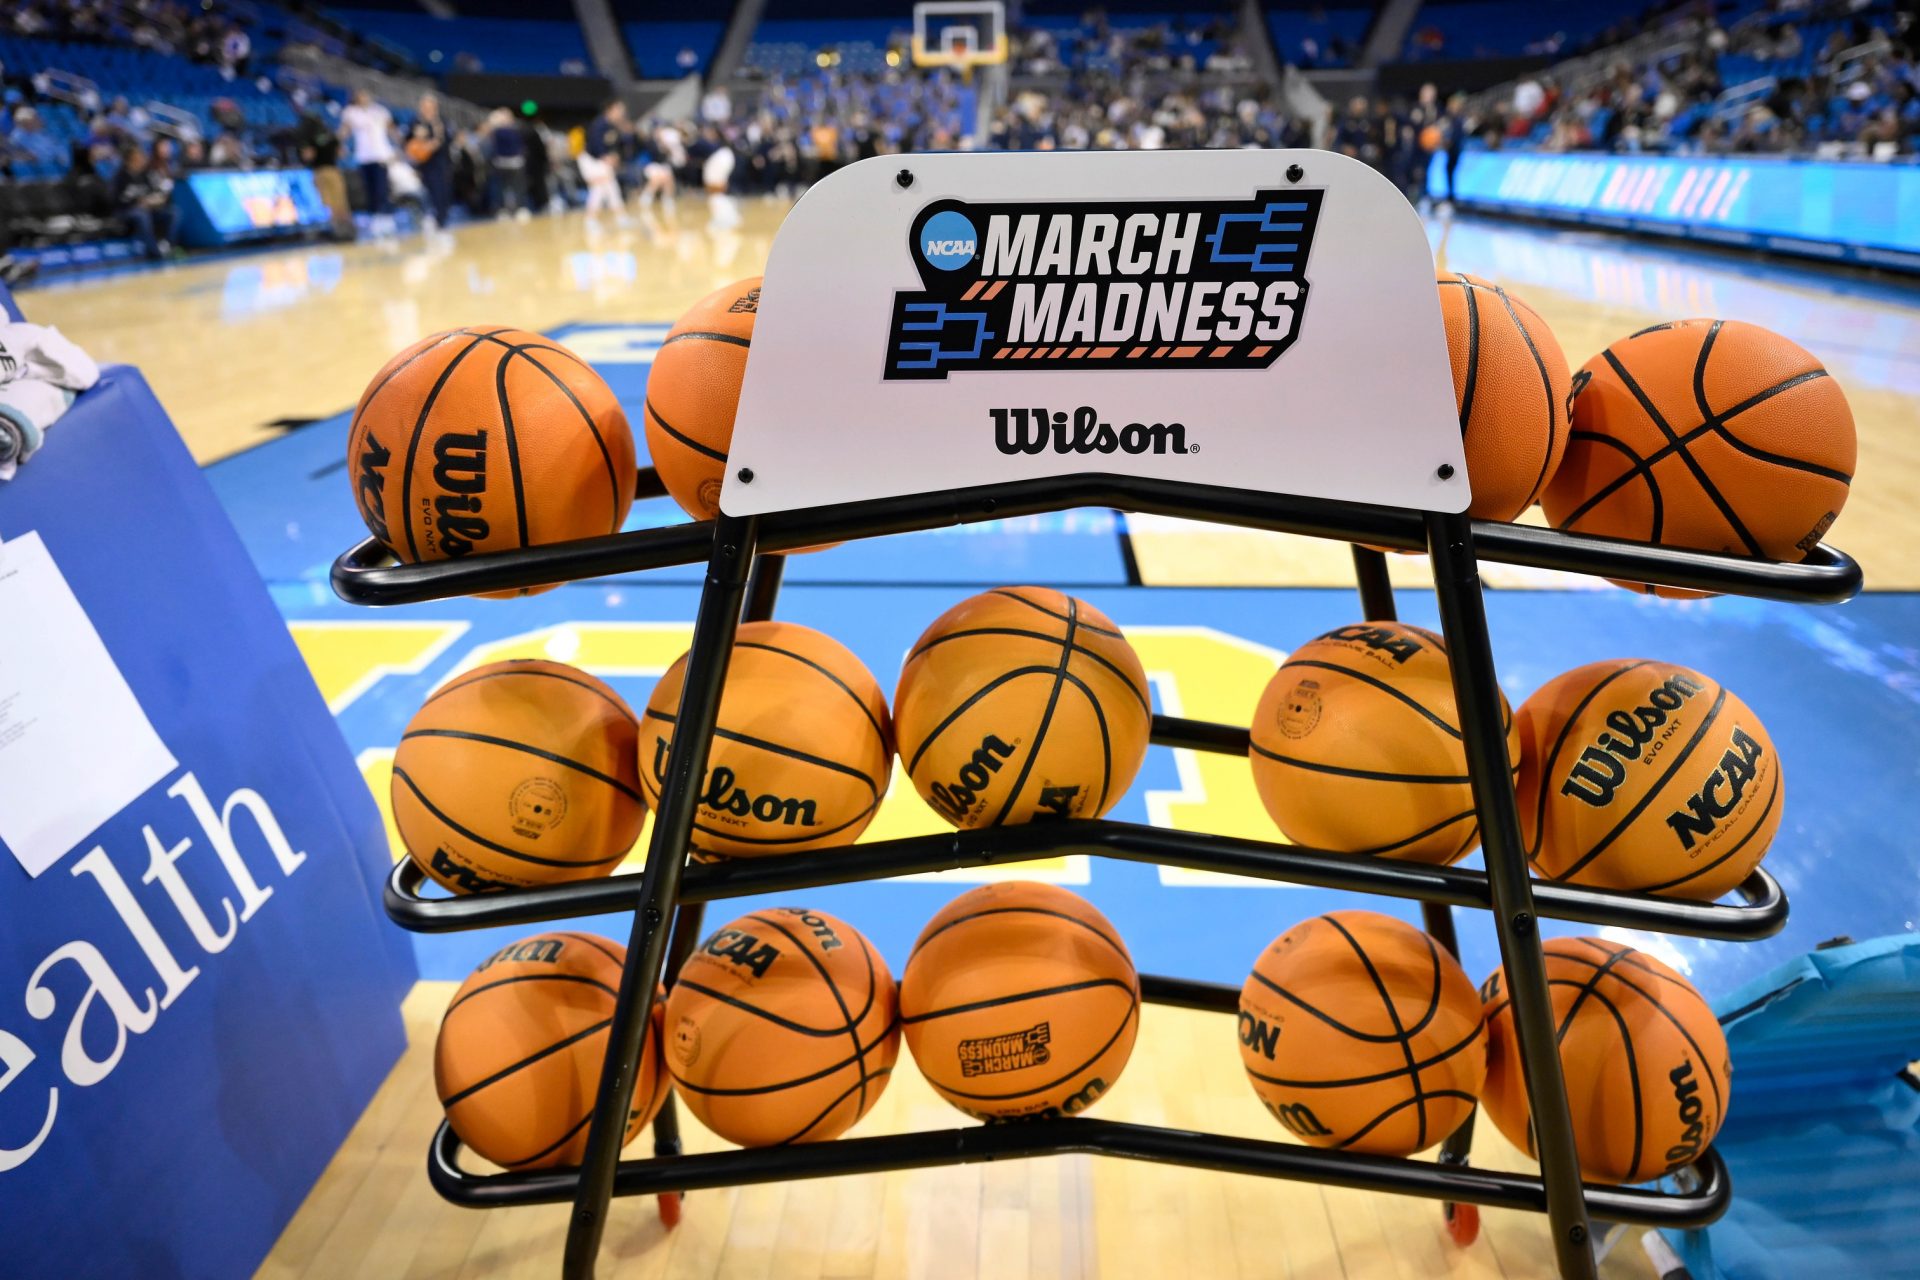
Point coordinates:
pixel 744 561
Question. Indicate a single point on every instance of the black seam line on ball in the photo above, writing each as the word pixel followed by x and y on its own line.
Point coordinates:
pixel 529 977
pixel 606 456
pixel 1377 683
pixel 508 743
pixel 529 1060
pixel 684 439
pixel 913 762
pixel 1046 716
pixel 831 675
pixel 469 677
pixel 499 848
pixel 1364 774
pixel 1401 1032
pixel 1050 641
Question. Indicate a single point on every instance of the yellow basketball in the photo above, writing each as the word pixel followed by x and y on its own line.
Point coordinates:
pixel 1022 704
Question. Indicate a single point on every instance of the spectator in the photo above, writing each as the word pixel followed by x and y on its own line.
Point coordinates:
pixel 30 140
pixel 236 50
pixel 427 149
pixel 144 197
pixel 607 134
pixel 369 128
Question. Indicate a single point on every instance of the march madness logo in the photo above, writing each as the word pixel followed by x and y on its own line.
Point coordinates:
pixel 1160 284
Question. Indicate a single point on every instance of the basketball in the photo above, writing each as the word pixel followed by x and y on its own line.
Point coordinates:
pixel 1020 1001
pixel 1710 434
pixel 1511 386
pixel 1645 1062
pixel 1356 746
pixel 518 773
pixel 1645 776
pixel 1019 704
pixel 488 439
pixel 802 752
pixel 1360 1032
pixel 782 1028
pixel 517 1062
pixel 693 392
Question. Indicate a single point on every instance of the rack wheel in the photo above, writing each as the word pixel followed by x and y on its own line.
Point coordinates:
pixel 1463 1223
pixel 670 1209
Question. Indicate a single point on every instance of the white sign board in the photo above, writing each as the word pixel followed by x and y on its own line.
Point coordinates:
pixel 941 321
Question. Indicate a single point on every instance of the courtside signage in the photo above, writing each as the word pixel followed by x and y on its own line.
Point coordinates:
pixel 1258 320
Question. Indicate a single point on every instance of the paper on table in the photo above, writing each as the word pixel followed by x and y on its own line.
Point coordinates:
pixel 75 747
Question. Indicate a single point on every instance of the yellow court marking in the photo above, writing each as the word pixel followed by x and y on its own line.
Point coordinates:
pixel 349 658
pixel 620 649
pixel 1204 674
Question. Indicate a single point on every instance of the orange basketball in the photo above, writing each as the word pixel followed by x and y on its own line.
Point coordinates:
pixel 518 773
pixel 1021 704
pixel 1020 1001
pixel 803 748
pixel 488 439
pixel 1356 746
pixel 1646 1066
pixel 1645 776
pixel 1511 385
pixel 782 1028
pixel 517 1063
pixel 693 391
pixel 1710 434
pixel 1359 1032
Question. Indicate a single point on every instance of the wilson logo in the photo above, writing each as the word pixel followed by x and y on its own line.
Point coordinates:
pixel 1720 794
pixel 1259 1035
pixel 1298 1119
pixel 370 486
pixel 1691 1111
pixel 460 876
pixel 955 798
pixel 460 470
pixel 1036 431
pixel 724 794
pixel 1601 768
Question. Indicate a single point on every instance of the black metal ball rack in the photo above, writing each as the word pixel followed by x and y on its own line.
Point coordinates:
pixel 743 556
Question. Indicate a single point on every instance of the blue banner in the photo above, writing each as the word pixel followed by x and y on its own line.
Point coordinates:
pixel 1858 212
pixel 197 998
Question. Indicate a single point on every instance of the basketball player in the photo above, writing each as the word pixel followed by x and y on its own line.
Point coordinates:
pixel 666 154
pixel 369 126
pixel 716 173
pixel 599 161
pixel 427 149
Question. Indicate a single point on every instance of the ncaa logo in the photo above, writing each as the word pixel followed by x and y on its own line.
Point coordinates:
pixel 949 241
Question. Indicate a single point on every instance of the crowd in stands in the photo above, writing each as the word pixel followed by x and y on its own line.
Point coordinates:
pixel 1795 76
pixel 200 33
pixel 1105 86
